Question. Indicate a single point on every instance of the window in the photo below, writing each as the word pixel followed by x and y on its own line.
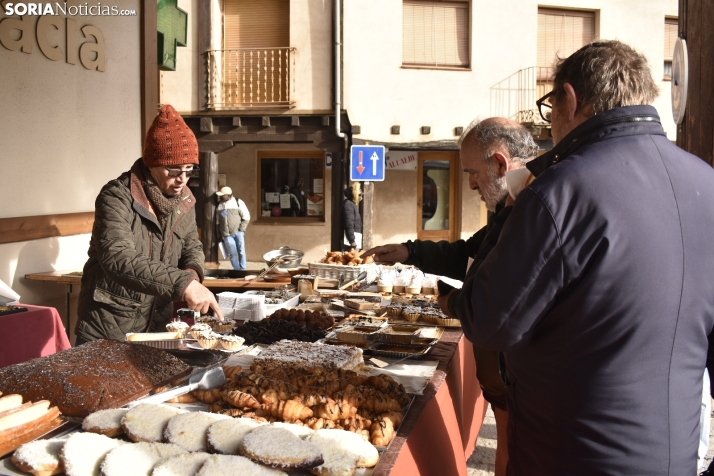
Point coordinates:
pixel 670 37
pixel 292 186
pixel 560 34
pixel 435 34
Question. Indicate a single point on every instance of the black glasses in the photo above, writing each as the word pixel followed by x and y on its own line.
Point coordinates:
pixel 545 108
pixel 173 173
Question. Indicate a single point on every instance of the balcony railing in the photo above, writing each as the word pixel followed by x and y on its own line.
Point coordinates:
pixel 515 97
pixel 248 78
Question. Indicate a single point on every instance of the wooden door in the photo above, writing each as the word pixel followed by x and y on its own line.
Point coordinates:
pixel 437 187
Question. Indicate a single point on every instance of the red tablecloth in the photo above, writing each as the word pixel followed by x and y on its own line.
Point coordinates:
pixel 439 433
pixel 35 333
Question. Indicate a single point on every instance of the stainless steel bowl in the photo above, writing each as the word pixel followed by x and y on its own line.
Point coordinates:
pixel 270 257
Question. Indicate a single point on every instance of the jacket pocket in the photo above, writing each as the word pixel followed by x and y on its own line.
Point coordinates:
pixel 116 302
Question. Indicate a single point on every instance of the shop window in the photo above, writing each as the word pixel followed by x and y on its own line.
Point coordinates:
pixel 670 38
pixel 292 186
pixel 560 34
pixel 435 34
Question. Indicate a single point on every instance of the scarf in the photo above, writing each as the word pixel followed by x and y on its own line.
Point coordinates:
pixel 163 205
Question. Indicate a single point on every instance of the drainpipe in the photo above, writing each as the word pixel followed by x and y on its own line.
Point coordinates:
pixel 338 64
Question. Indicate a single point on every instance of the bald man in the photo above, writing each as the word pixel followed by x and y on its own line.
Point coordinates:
pixel 488 149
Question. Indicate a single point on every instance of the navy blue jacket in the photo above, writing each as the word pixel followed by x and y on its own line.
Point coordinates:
pixel 601 290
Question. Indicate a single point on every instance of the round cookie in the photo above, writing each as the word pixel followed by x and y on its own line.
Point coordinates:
pixel 224 436
pixel 105 422
pixel 188 430
pixel 82 453
pixel 365 453
pixel 279 448
pixel 297 430
pixel 186 464
pixel 40 457
pixel 221 465
pixel 146 422
pixel 137 459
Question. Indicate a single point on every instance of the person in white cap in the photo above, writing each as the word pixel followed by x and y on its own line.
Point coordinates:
pixel 233 218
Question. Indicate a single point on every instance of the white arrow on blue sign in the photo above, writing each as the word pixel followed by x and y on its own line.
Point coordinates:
pixel 367 163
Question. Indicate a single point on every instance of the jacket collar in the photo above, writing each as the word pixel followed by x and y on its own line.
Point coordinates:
pixel 621 121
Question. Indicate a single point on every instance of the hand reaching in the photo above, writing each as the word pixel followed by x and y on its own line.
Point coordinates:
pixel 393 253
pixel 199 298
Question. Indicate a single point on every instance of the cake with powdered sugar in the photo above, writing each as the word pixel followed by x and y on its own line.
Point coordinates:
pixel 309 357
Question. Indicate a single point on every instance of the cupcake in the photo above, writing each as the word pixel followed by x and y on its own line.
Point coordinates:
pixel 179 327
pixel 223 326
pixel 231 342
pixel 207 339
pixel 199 328
pixel 411 313
pixel 394 310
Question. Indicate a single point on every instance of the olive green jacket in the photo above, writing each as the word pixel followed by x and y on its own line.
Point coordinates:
pixel 135 269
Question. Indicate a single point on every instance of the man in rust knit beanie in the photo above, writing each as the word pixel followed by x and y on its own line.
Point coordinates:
pixel 145 253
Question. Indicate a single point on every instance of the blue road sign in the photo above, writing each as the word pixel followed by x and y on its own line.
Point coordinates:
pixel 367 163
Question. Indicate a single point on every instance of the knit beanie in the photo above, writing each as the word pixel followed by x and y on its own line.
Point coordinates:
pixel 169 140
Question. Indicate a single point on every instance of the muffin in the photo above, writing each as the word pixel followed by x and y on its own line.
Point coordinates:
pixel 231 342
pixel 199 328
pixel 410 313
pixel 398 288
pixel 394 310
pixel 180 327
pixel 226 325
pixel 208 339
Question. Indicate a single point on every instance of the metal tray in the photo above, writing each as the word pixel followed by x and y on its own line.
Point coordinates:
pixel 356 334
pixel 404 336
pixel 399 351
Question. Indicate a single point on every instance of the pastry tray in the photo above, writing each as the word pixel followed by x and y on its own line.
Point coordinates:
pixel 418 322
pixel 399 351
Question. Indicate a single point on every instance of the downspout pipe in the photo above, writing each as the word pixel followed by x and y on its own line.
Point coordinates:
pixel 338 64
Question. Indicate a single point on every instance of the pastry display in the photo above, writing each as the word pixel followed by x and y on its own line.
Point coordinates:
pixel 105 422
pixel 186 464
pixel 221 465
pixel 269 331
pixel 83 453
pixel 137 459
pixel 95 376
pixel 279 448
pixel 40 457
pixel 188 430
pixel 147 421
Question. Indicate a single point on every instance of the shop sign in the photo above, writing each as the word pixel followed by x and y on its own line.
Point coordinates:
pixel 402 159
pixel 16 35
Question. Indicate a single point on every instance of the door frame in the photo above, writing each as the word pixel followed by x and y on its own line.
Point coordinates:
pixel 454 195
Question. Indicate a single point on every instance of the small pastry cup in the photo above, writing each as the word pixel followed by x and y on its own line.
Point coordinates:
pixel 231 344
pixel 222 328
pixel 383 288
pixel 394 311
pixel 411 316
pixel 208 342
pixel 398 289
pixel 412 290
pixel 428 290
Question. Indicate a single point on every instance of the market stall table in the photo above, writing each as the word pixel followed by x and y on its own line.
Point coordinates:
pixel 27 335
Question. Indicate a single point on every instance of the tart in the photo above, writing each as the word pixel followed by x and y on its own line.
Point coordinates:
pixel 179 327
pixel 231 342
pixel 207 340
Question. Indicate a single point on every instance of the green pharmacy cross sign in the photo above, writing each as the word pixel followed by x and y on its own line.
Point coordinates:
pixel 172 26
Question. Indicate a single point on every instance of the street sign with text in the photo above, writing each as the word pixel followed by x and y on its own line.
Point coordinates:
pixel 367 163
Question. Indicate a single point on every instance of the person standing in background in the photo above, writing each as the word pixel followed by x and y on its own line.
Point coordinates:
pixel 301 196
pixel 352 221
pixel 233 219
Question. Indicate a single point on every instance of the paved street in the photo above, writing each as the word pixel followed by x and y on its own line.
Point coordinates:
pixel 481 462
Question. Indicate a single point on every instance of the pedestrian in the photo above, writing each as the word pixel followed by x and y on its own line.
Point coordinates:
pixel 489 149
pixel 233 219
pixel 599 289
pixel 351 221
pixel 144 253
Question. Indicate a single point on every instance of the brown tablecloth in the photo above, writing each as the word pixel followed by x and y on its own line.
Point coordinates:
pixel 35 333
pixel 439 433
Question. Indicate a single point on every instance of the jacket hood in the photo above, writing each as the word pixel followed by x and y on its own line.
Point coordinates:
pixel 621 121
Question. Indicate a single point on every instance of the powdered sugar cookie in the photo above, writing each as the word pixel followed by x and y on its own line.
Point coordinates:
pixel 188 430
pixel 222 465
pixel 334 442
pixel 180 465
pixel 40 457
pixel 147 422
pixel 224 436
pixel 137 459
pixel 279 448
pixel 82 453
pixel 105 422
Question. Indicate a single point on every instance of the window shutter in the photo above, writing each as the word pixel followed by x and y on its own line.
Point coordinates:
pixel 435 33
pixel 256 24
pixel 670 37
pixel 561 33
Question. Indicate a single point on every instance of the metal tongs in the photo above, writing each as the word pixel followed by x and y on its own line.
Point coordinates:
pixel 276 262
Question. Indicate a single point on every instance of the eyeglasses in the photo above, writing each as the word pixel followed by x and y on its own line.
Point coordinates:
pixel 545 108
pixel 173 173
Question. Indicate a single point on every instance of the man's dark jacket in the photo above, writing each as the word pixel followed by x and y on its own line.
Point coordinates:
pixel 135 269
pixel 352 219
pixel 605 309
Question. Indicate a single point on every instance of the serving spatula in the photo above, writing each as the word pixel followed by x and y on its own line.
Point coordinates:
pixel 211 378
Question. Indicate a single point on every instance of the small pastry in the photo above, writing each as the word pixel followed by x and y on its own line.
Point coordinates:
pixel 179 327
pixel 199 328
pixel 394 310
pixel 231 342
pixel 226 325
pixel 207 340
pixel 411 313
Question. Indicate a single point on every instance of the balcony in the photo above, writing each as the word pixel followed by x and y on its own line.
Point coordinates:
pixel 515 97
pixel 250 78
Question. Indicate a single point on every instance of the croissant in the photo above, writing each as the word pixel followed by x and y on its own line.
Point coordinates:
pixel 273 396
pixel 287 410
pixel 208 396
pixel 240 399
pixel 382 432
pixel 185 398
pixel 319 423
pixel 394 417
pixel 353 399
pixel 332 410
pixel 355 423
pixel 380 403
pixel 312 399
pixel 232 370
